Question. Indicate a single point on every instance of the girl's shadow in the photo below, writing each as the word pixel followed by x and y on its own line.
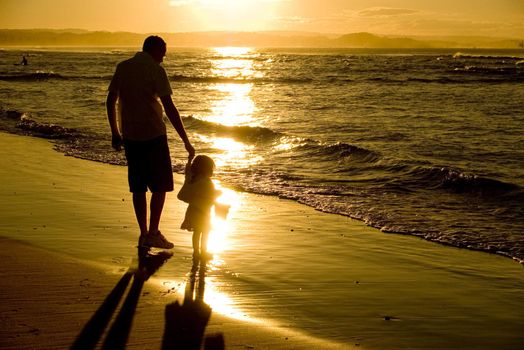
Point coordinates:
pixel 186 322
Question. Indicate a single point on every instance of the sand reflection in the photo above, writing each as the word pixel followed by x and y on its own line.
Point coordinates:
pixel 219 241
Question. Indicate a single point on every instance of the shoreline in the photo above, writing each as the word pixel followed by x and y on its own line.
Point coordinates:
pixel 460 245
pixel 284 270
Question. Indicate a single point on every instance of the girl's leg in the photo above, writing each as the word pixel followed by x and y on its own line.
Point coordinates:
pixel 203 245
pixel 196 243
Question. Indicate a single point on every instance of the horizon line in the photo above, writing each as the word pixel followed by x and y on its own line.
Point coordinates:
pixel 72 31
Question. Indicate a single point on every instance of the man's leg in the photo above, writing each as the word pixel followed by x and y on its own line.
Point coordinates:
pixel 140 206
pixel 157 205
pixel 154 237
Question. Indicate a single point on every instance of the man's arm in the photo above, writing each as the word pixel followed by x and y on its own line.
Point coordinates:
pixel 174 117
pixel 116 138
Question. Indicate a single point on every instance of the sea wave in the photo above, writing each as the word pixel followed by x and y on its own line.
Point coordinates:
pixel 35 76
pixel 394 195
pixel 464 55
pixel 244 133
pixel 248 57
pixel 349 157
pixel 237 80
pixel 506 74
pixel 336 152
pixel 41 76
pixel 461 76
pixel 459 181
pixel 400 176
pixel 23 123
pixel 489 70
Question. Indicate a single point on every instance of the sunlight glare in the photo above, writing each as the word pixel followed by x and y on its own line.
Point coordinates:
pixel 221 303
pixel 234 69
pixel 228 51
pixel 232 153
pixel 217 241
pixel 218 237
pixel 287 143
pixel 233 62
pixel 230 145
pixel 235 109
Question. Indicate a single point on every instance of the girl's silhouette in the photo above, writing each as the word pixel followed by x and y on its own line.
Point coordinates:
pixel 200 193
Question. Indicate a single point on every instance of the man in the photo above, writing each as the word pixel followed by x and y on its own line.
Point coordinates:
pixel 137 84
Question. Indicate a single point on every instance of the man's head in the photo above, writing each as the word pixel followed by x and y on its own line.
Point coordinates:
pixel 156 47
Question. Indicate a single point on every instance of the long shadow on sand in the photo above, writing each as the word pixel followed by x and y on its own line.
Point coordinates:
pixel 186 322
pixel 118 334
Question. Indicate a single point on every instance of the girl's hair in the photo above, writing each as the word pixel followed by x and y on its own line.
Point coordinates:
pixel 202 166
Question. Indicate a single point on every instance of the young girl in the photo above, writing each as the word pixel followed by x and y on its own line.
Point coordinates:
pixel 199 191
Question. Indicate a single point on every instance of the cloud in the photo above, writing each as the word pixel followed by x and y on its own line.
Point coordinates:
pixel 458 26
pixel 293 20
pixel 385 12
pixel 404 21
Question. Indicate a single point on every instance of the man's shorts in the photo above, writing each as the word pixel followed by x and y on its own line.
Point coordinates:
pixel 149 165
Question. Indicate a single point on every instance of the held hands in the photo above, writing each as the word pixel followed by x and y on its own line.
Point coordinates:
pixel 190 150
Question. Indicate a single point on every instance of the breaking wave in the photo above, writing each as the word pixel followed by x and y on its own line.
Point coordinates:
pixel 43 76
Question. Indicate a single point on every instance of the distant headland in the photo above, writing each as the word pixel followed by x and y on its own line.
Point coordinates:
pixel 78 37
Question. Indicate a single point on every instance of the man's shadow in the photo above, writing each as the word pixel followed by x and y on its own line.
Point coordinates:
pixel 118 334
pixel 186 322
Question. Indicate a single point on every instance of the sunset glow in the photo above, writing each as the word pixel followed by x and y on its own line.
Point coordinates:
pixel 263 174
pixel 396 17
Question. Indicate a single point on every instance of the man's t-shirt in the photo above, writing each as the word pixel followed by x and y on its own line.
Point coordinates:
pixel 139 82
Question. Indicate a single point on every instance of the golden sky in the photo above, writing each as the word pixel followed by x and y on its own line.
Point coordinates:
pixel 504 18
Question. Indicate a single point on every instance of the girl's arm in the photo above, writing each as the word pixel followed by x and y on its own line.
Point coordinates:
pixel 186 192
pixel 187 170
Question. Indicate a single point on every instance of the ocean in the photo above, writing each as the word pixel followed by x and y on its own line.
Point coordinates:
pixel 426 143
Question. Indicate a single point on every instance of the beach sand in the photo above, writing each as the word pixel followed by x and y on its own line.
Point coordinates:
pixel 283 276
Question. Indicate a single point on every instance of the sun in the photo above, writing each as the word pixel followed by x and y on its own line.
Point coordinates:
pixel 229 15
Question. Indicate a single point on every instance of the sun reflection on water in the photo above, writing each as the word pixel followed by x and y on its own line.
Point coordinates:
pixel 232 106
pixel 233 62
pixel 236 108
pixel 230 153
pixel 232 51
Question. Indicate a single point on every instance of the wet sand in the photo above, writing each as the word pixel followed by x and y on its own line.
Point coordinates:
pixel 284 276
pixel 53 301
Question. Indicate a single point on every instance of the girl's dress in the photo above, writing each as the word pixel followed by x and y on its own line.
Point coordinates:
pixel 200 195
